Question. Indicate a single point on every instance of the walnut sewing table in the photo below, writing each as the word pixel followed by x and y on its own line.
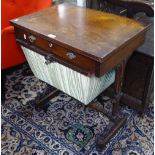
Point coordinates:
pixel 88 42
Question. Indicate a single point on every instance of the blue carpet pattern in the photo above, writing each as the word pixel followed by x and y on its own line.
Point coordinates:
pixel 68 127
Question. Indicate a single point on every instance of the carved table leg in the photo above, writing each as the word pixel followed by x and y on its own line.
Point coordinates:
pixel 116 122
pixel 41 104
pixel 118 86
pixel 109 132
pixel 116 92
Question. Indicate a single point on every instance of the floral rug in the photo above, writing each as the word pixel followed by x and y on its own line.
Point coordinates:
pixel 68 127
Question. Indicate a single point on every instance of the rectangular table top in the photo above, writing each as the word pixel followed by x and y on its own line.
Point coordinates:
pixel 89 32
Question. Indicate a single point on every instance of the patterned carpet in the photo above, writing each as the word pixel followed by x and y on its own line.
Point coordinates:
pixel 67 128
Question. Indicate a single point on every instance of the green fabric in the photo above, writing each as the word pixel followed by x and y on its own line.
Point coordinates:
pixel 79 86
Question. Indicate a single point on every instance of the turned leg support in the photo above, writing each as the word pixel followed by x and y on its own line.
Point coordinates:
pixel 118 86
pixel 41 104
pixel 115 93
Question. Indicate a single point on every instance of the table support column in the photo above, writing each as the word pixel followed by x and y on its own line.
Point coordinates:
pixel 118 86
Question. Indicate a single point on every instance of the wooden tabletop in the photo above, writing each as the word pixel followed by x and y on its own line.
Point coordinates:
pixel 89 32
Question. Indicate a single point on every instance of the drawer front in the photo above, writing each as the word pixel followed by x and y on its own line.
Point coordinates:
pixel 63 53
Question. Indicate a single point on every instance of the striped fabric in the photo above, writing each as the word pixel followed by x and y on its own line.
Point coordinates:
pixel 79 86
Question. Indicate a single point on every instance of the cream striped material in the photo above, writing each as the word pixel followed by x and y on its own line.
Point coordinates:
pixel 79 86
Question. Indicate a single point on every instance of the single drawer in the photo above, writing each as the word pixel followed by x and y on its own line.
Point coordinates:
pixel 48 46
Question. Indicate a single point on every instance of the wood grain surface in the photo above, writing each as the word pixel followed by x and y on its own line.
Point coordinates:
pixel 88 32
